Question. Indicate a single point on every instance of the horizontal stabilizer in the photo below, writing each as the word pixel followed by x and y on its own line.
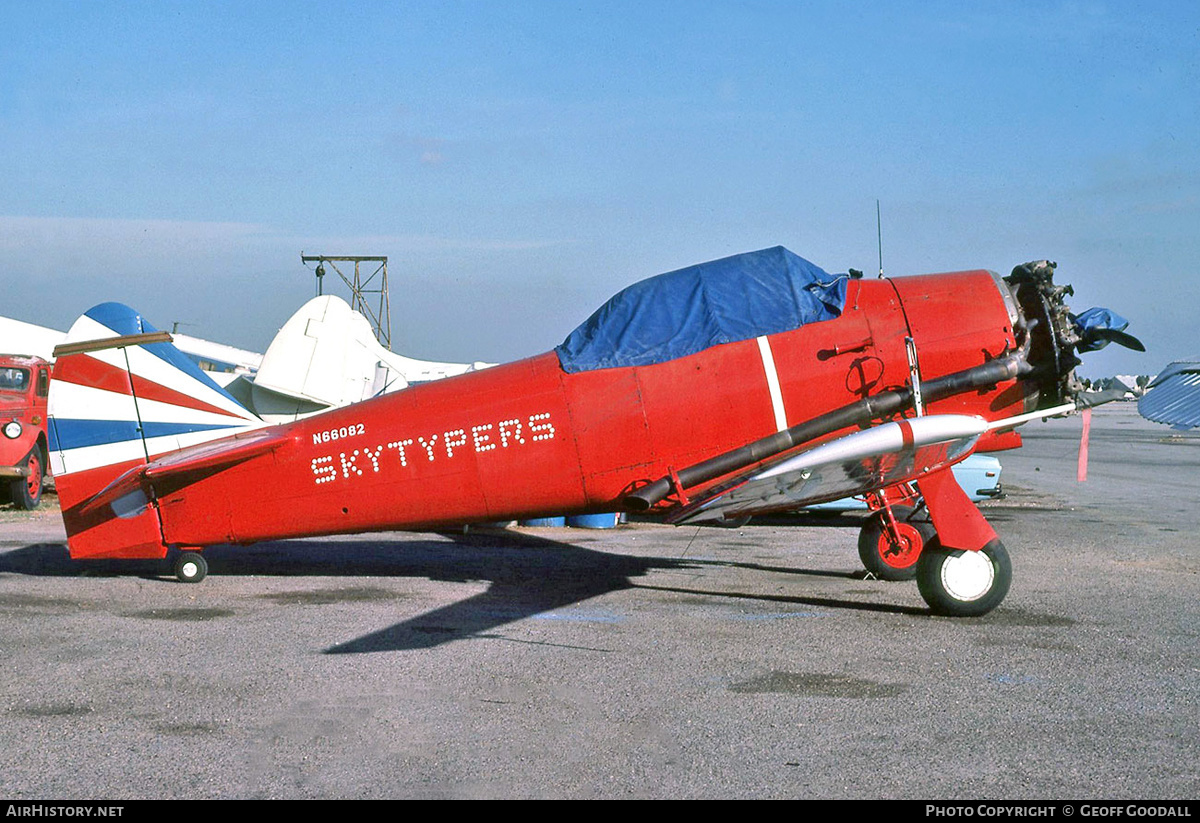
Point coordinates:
pixel 190 463
pixel 216 454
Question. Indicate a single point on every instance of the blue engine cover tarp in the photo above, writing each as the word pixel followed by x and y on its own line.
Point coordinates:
pixel 689 310
pixel 1097 318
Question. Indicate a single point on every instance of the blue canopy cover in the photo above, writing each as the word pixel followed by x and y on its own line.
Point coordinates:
pixel 689 310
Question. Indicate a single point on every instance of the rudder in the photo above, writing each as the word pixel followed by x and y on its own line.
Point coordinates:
pixel 120 396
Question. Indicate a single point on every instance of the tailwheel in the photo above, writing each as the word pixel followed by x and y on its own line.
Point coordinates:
pixel 958 583
pixel 190 567
pixel 893 556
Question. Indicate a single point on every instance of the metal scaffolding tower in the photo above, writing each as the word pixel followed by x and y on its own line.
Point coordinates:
pixel 363 291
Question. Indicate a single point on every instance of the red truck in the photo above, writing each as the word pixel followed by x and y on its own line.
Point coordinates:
pixel 24 386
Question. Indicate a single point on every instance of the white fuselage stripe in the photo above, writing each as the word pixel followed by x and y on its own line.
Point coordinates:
pixel 768 360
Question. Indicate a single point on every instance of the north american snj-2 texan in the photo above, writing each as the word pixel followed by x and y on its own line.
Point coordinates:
pixel 751 384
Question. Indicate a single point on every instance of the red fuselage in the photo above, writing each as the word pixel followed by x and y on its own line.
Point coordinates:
pixel 527 439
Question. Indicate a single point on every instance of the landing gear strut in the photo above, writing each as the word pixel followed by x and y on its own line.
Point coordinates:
pixel 891 542
pixel 900 542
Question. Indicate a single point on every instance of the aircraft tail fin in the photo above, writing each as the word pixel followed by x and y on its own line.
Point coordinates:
pixel 121 396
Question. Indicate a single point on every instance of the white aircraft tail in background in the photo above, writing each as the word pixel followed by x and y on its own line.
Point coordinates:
pixel 326 356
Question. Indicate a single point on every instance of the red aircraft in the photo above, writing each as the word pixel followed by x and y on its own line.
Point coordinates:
pixel 750 384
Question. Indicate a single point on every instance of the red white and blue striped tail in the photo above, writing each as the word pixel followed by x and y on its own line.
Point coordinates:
pixel 121 396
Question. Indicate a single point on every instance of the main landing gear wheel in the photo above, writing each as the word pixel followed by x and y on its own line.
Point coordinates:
pixel 885 559
pixel 960 583
pixel 191 567
pixel 26 492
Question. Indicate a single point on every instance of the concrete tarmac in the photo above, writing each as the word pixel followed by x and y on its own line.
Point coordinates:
pixel 640 662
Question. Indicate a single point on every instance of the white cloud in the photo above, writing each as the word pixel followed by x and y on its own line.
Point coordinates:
pixel 56 239
pixel 105 245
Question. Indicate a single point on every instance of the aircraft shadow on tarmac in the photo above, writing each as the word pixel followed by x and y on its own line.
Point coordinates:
pixel 527 575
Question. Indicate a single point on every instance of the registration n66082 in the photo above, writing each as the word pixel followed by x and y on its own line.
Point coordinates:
pixel 340 433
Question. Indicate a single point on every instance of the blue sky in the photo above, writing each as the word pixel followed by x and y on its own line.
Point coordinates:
pixel 518 162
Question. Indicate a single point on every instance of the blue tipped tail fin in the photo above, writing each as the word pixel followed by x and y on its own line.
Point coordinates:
pixel 121 396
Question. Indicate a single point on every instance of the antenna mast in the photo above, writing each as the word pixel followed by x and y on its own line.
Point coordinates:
pixel 879 234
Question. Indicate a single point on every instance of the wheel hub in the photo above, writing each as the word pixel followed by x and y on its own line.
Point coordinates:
pixel 904 551
pixel 968 576
pixel 34 478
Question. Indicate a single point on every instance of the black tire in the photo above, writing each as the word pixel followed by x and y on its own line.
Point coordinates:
pixel 958 583
pixel 26 492
pixel 883 559
pixel 190 567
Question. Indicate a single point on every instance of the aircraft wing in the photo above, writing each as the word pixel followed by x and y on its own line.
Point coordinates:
pixel 887 454
pixel 1174 396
